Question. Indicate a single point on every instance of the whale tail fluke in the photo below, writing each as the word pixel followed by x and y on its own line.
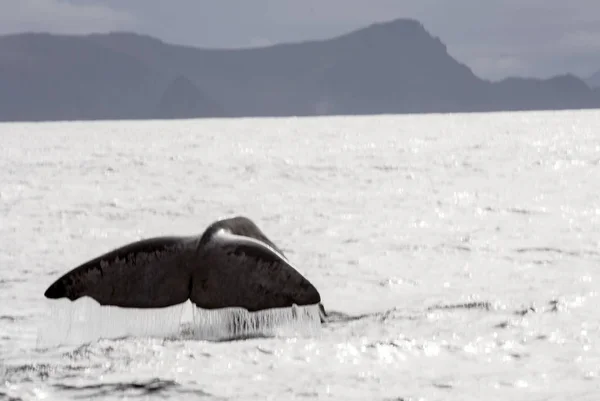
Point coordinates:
pixel 233 264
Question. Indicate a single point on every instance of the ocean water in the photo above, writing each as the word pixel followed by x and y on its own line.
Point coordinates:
pixel 458 255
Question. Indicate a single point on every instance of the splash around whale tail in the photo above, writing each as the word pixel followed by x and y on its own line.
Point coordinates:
pixel 219 271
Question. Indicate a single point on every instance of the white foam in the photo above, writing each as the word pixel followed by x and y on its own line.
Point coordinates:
pixel 229 323
pixel 85 320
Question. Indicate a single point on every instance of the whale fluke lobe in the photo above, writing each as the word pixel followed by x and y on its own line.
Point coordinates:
pixel 151 273
pixel 232 264
pixel 241 270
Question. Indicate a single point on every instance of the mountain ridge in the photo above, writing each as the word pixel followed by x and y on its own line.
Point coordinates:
pixel 388 67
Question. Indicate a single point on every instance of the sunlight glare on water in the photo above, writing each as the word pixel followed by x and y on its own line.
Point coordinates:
pixel 456 255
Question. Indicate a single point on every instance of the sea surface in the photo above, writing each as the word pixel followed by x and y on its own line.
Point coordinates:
pixel 458 255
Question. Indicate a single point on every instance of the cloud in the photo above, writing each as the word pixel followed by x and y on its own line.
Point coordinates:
pixel 580 41
pixel 59 16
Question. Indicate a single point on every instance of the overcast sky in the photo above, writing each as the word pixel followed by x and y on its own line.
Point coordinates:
pixel 495 38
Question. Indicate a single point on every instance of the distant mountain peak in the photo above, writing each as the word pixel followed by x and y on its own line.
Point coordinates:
pixel 398 23
pixel 395 28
